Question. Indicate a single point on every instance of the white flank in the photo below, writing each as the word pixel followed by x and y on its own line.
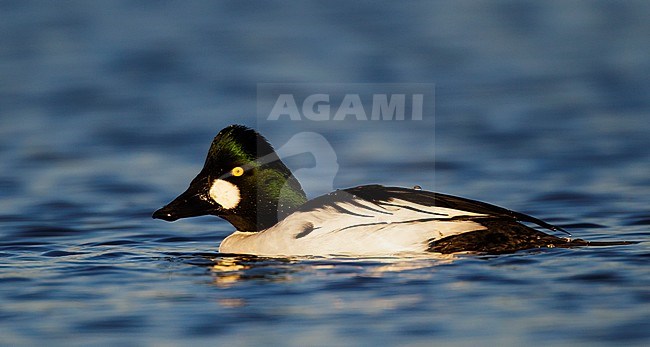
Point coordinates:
pixel 225 194
pixel 368 229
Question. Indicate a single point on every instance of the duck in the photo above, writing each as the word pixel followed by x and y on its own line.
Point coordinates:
pixel 245 182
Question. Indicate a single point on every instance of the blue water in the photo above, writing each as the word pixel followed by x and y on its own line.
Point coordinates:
pixel 107 110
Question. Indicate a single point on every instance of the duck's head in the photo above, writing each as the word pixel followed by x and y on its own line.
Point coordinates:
pixel 242 181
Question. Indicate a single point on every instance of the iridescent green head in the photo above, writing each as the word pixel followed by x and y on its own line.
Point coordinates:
pixel 242 181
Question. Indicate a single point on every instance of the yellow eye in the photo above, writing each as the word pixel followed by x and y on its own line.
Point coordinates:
pixel 238 171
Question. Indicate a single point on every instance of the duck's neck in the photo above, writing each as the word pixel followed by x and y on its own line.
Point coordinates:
pixel 275 199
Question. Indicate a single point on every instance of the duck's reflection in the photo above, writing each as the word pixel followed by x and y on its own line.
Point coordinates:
pixel 230 269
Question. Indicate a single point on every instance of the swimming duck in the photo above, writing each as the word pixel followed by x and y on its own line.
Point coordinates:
pixel 244 182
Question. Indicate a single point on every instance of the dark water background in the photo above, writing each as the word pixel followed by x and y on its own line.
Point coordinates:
pixel 107 109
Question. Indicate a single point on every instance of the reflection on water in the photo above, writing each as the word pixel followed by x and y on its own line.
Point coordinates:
pixel 228 270
pixel 231 269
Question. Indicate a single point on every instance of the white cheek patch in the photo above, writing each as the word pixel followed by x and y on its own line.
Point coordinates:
pixel 225 194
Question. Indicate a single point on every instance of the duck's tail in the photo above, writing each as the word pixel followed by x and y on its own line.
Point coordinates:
pixel 505 236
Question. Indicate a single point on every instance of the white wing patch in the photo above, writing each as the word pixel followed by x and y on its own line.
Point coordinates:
pixel 225 194
pixel 357 227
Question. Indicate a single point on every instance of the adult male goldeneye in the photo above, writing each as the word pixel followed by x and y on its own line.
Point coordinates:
pixel 244 182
